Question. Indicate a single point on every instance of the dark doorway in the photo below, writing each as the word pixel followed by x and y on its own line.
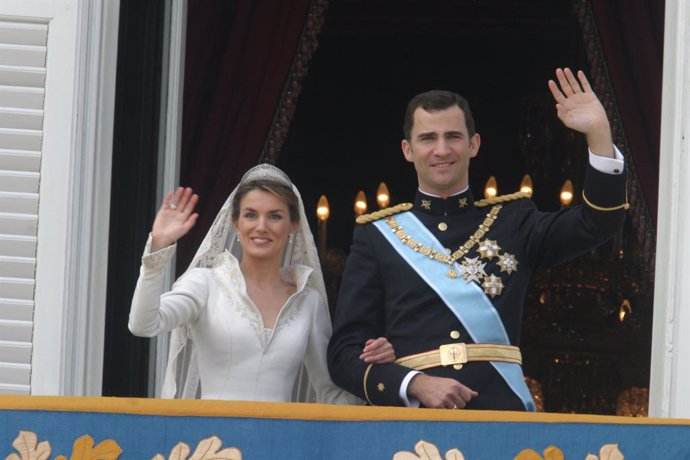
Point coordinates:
pixel 134 180
pixel 372 58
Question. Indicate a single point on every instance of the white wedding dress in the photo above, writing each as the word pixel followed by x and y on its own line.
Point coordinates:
pixel 238 358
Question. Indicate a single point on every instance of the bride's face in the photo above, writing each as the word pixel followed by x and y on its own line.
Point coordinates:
pixel 264 225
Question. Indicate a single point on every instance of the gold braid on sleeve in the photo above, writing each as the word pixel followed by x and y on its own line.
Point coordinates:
pixel 625 205
pixel 364 382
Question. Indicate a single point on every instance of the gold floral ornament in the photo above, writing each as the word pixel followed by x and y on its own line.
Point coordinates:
pixel 207 449
pixel 607 452
pixel 26 443
pixel 28 447
pixel 427 451
pixel 83 449
pixel 550 453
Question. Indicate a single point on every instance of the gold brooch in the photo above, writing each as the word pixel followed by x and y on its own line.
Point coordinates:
pixel 492 285
pixel 488 249
pixel 507 262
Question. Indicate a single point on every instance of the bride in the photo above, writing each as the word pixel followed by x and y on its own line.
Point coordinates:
pixel 250 314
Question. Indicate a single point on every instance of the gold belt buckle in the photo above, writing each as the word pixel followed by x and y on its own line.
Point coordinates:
pixel 454 354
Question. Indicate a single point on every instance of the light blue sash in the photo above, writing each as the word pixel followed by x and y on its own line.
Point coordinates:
pixel 466 300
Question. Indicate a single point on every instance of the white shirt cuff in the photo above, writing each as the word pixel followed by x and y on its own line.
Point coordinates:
pixel 409 402
pixel 607 165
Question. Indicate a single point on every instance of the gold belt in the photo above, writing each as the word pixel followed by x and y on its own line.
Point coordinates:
pixel 457 354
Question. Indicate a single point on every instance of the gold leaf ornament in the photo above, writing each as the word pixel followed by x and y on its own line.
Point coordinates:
pixel 607 452
pixel 550 453
pixel 427 451
pixel 83 449
pixel 26 443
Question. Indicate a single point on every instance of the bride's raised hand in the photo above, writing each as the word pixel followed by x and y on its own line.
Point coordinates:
pixel 175 218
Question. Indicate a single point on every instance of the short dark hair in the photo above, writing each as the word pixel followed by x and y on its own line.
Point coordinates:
pixel 434 101
pixel 282 191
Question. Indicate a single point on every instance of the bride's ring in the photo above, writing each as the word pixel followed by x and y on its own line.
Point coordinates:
pixel 172 206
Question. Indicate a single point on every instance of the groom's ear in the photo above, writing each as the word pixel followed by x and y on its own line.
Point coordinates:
pixel 475 142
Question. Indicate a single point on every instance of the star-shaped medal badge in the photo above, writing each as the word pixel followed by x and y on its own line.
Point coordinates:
pixel 492 285
pixel 488 249
pixel 507 262
pixel 472 269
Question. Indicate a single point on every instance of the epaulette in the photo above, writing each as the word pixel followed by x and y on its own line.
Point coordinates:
pixel 381 213
pixel 501 199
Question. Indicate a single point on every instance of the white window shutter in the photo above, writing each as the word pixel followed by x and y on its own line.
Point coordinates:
pixel 22 78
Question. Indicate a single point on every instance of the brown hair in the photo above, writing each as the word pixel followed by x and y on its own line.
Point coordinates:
pixel 282 191
pixel 434 101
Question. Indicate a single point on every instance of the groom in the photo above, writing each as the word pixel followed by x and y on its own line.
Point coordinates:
pixel 444 279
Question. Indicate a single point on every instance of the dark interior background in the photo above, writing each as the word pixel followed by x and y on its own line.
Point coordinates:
pixel 346 132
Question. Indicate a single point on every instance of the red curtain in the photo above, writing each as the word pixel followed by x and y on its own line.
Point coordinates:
pixel 631 35
pixel 239 59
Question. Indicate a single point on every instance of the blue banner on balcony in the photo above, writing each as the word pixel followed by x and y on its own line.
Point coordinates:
pixel 36 427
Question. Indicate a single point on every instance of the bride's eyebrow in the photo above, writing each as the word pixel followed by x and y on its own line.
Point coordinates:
pixel 280 210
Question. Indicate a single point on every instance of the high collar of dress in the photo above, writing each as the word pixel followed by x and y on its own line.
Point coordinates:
pixel 296 274
pixel 435 205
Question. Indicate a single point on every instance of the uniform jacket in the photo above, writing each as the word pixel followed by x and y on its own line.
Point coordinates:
pixel 381 295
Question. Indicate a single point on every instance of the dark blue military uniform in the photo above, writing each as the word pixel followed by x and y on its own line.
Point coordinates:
pixel 381 295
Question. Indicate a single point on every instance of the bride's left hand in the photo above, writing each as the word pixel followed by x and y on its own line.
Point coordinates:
pixel 378 351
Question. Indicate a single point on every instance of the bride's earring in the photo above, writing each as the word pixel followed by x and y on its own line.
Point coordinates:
pixel 238 237
pixel 291 238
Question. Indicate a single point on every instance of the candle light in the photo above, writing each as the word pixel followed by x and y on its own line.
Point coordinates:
pixel 624 309
pixel 383 198
pixel 360 203
pixel 491 189
pixel 567 193
pixel 322 213
pixel 526 185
